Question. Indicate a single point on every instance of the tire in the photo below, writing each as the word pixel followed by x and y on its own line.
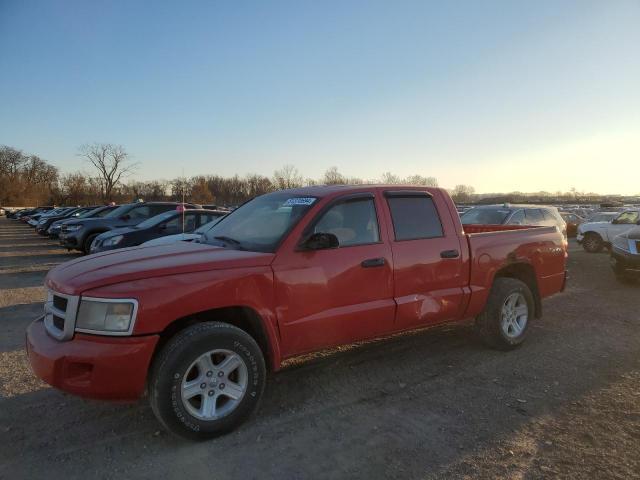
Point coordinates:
pixel 86 247
pixel 592 243
pixel 177 373
pixel 623 277
pixel 502 326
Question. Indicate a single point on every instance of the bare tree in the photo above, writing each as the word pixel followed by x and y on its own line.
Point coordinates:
pixel 462 193
pixel 389 178
pixel 287 177
pixel 422 181
pixel 333 177
pixel 111 161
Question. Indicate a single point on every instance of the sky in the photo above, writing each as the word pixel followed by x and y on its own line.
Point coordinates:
pixel 500 95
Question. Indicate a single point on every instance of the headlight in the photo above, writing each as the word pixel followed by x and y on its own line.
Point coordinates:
pixel 73 228
pixel 621 242
pixel 111 241
pixel 111 317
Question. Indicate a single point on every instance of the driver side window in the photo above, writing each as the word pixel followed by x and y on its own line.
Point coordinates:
pixel 353 222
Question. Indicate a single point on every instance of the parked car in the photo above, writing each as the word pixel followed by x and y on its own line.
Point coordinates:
pixel 34 218
pixel 572 221
pixel 167 223
pixel 287 273
pixel 79 234
pixel 26 215
pixel 625 256
pixel 96 212
pixel 45 221
pixel 509 214
pixel 594 236
pixel 196 235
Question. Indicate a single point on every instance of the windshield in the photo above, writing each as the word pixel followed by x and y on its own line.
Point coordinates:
pixel 121 210
pixel 203 228
pixel 88 212
pixel 260 224
pixel 485 216
pixel 153 221
pixel 603 217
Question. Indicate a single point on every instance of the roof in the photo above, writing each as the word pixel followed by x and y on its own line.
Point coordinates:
pixel 326 190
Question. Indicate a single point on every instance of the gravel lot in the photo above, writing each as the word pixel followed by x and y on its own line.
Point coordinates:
pixel 433 404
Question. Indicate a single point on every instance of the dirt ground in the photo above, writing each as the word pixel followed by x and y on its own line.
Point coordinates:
pixel 433 404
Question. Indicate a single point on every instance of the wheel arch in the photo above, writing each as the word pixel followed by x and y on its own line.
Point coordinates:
pixel 526 273
pixel 242 317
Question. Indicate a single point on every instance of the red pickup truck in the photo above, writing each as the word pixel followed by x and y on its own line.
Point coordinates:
pixel 198 325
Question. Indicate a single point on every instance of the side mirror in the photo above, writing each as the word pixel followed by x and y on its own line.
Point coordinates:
pixel 126 216
pixel 320 241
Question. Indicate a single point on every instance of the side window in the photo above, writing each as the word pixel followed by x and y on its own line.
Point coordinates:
pixel 189 222
pixel 174 224
pixel 534 216
pixel 140 212
pixel 517 218
pixel 414 217
pixel 627 218
pixel 354 222
pixel 208 217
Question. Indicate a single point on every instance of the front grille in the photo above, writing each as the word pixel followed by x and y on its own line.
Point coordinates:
pixel 58 322
pixel 60 315
pixel 60 302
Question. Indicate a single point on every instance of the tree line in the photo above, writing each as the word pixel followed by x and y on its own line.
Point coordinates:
pixel 27 180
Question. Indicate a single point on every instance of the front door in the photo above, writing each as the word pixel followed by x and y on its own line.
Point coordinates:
pixel 339 295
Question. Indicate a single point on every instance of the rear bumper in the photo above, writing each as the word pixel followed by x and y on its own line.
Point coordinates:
pixel 91 366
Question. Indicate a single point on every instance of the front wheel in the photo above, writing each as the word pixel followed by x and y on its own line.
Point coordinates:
pixel 505 320
pixel 592 243
pixel 207 380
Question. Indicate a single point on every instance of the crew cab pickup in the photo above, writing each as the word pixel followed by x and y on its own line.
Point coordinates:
pixel 198 325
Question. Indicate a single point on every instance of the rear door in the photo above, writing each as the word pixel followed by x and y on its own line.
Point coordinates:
pixel 339 295
pixel 427 257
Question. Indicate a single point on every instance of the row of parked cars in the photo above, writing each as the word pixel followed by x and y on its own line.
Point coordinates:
pixel 98 228
pixel 617 230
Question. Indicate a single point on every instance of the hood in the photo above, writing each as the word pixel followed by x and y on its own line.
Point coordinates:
pixel 189 237
pixel 102 221
pixel 116 231
pixel 633 233
pixel 135 263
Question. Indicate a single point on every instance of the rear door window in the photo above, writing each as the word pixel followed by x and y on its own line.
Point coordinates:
pixel 414 217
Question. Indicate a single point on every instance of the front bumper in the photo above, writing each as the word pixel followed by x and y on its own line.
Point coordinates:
pixel 91 366
pixel 579 237
pixel 70 239
pixel 625 262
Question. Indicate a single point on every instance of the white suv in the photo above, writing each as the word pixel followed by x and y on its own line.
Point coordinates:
pixel 594 236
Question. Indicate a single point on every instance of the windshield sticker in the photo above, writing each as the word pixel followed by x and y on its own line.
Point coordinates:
pixel 299 201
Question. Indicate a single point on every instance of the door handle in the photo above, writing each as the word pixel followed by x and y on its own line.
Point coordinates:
pixel 449 254
pixel 372 262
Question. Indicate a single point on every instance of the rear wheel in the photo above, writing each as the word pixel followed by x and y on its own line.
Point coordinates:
pixel 592 243
pixel 505 320
pixel 207 380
